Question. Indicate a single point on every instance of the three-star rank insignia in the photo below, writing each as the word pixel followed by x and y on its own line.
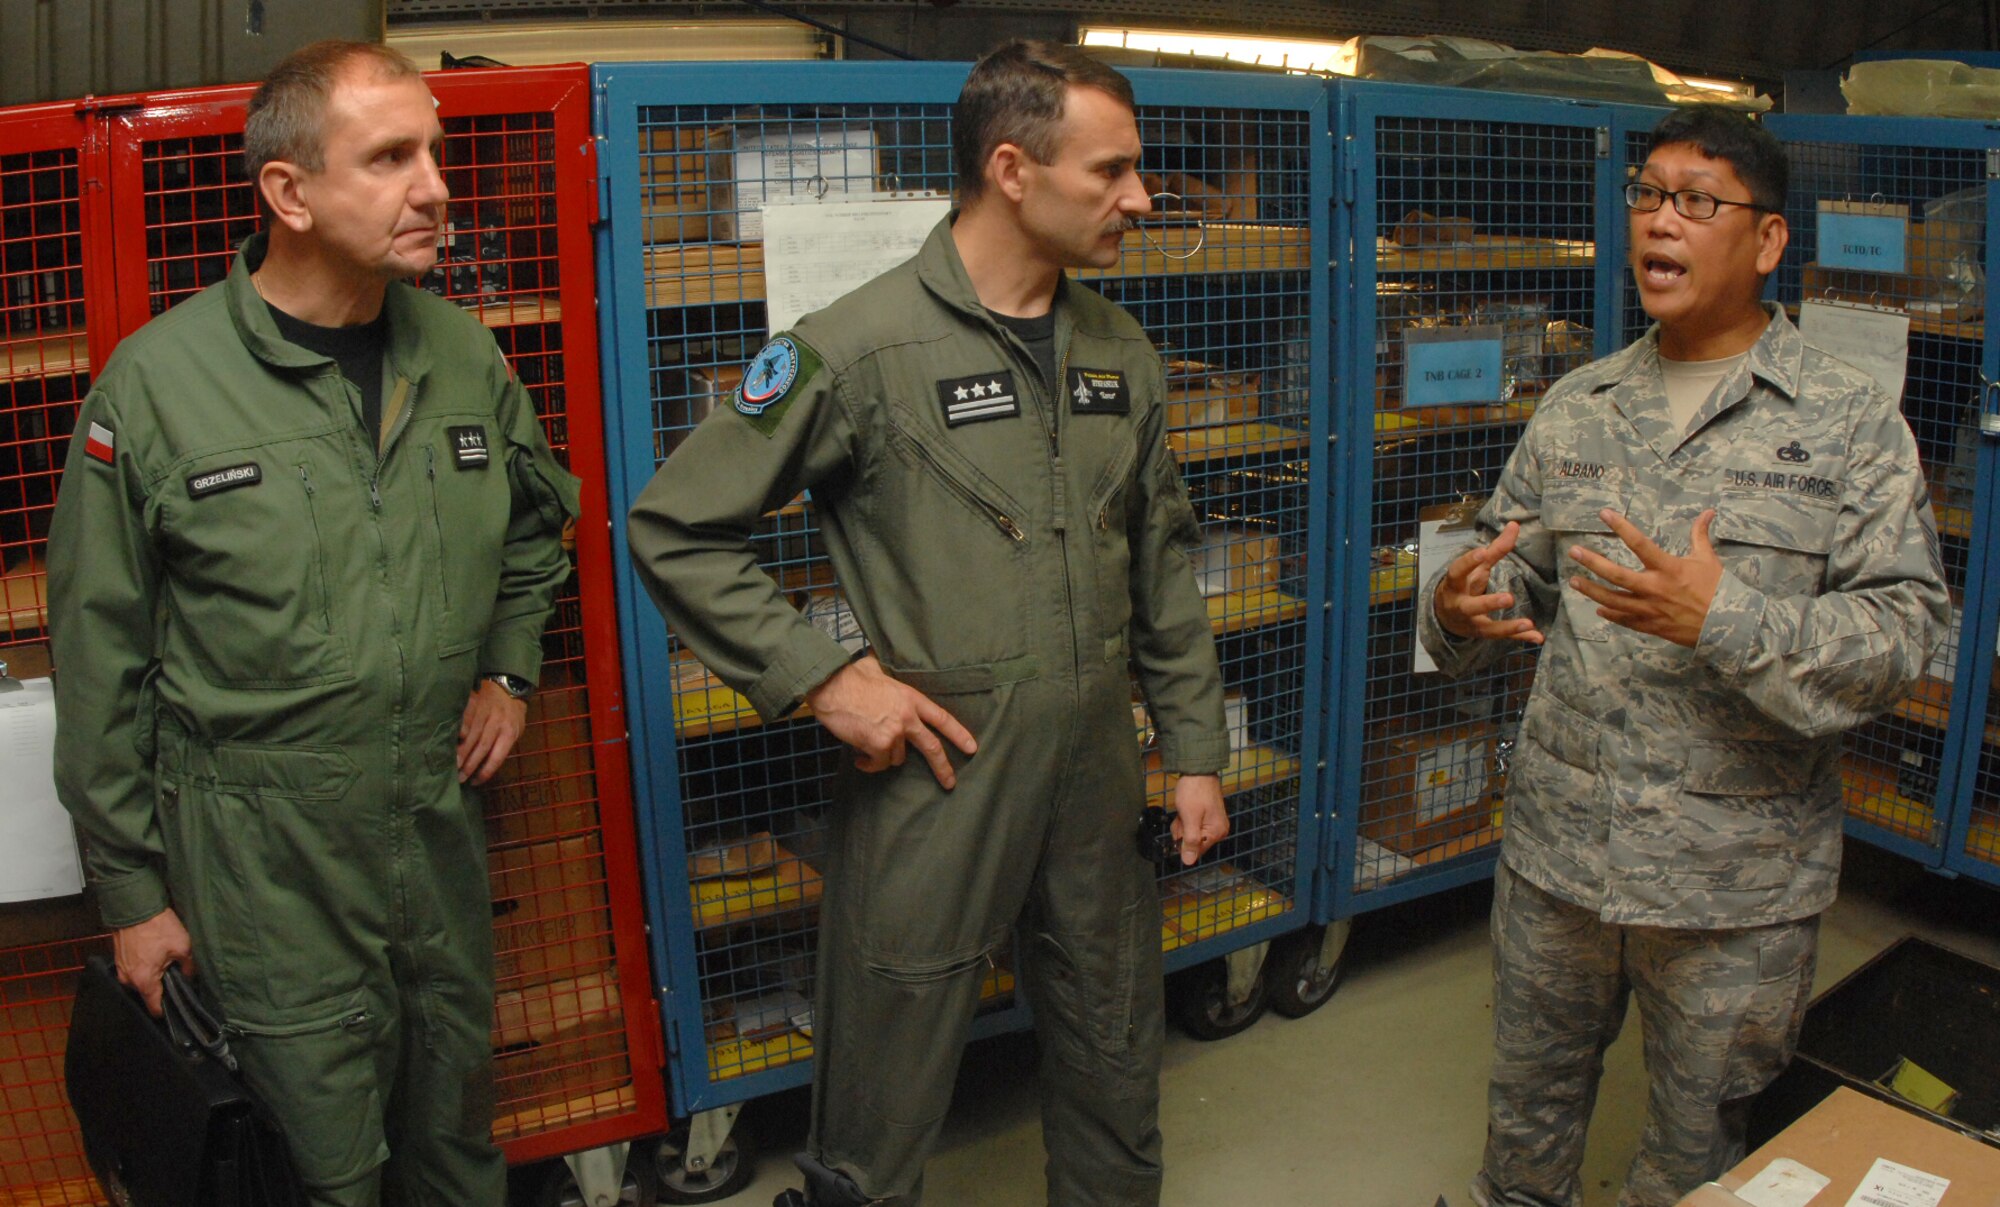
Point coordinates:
pixel 1098 392
pixel 980 397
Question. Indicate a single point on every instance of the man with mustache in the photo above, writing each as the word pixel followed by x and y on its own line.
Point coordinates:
pixel 1723 541
pixel 985 444
pixel 275 672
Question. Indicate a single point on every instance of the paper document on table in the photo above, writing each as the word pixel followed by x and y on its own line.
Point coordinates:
pixel 1783 1183
pixel 1891 1185
pixel 37 843
pixel 816 252
pixel 1442 534
pixel 1873 340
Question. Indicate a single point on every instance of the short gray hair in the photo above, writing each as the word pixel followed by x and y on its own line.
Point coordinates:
pixel 287 116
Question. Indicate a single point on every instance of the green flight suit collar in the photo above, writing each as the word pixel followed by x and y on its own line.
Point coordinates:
pixel 406 354
pixel 1639 390
pixel 943 273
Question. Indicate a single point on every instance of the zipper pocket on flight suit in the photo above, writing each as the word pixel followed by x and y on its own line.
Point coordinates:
pixel 318 549
pixel 1113 481
pixel 437 526
pixel 993 512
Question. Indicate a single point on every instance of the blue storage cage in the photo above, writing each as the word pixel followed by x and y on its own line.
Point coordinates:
pixel 1924 779
pixel 1457 208
pixel 1228 288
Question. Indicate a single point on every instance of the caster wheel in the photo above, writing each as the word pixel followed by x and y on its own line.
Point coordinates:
pixel 728 1173
pixel 1202 1006
pixel 1306 966
pixel 559 1189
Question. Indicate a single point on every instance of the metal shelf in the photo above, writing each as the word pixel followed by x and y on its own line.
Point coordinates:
pixel 713 274
pixel 46 354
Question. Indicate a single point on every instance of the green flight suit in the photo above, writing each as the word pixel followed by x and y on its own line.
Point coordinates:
pixel 1010 551
pixel 264 639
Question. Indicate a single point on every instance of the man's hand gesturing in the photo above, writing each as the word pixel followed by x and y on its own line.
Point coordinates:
pixel 1462 605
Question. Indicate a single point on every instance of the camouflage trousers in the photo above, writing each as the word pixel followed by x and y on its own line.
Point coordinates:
pixel 1721 1011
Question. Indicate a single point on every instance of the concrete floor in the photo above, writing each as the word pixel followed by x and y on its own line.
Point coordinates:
pixel 1376 1100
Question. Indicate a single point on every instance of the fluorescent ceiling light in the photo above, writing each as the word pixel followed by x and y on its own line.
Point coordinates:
pixel 1734 87
pixel 528 43
pixel 1289 54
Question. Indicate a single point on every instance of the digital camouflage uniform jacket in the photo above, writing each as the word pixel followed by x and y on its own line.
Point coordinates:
pixel 1667 786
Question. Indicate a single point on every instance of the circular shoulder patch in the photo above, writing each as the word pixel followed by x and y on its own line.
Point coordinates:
pixel 770 374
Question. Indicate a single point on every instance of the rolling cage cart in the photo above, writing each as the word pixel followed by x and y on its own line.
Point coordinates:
pixel 1891 215
pixel 576 1037
pixel 56 325
pixel 733 806
pixel 1458 210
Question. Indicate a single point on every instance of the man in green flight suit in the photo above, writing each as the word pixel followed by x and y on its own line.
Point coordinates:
pixel 984 440
pixel 275 670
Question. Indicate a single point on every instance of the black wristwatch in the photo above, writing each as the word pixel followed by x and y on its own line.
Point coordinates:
pixel 513 685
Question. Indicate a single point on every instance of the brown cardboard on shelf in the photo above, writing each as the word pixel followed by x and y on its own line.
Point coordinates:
pixel 548 787
pixel 1201 396
pixel 551 911
pixel 1421 788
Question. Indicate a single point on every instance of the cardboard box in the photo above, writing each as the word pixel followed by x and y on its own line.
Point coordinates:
pixel 548 788
pixel 541 1014
pixel 551 911
pixel 1421 789
pixel 1198 396
pixel 1233 558
pixel 1841 1140
pixel 785 161
pixel 536 1074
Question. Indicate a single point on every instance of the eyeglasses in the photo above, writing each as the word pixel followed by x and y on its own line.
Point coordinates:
pixel 1688 203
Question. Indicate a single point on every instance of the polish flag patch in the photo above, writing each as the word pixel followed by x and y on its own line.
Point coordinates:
pixel 99 443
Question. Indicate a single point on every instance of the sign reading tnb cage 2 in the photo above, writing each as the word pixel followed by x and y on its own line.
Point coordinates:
pixel 1868 236
pixel 1446 365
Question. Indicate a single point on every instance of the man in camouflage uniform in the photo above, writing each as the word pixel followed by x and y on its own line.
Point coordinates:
pixel 1674 811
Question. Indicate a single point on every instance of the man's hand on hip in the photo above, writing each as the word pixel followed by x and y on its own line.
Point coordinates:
pixel 880 719
pixel 493 722
pixel 1461 603
pixel 1669 597
pixel 142 953
pixel 1200 818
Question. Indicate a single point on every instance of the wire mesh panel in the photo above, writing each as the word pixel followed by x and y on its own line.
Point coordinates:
pixel 1476 223
pixel 41 1150
pixel 52 303
pixel 45 357
pixel 1632 313
pixel 1899 770
pixel 1224 287
pixel 574 1036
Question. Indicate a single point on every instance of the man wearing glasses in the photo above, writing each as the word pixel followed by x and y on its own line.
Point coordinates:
pixel 1724 539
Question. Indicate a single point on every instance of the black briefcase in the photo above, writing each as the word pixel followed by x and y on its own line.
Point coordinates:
pixel 165 1120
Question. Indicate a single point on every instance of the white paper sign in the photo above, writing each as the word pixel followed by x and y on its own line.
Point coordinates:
pixel 37 843
pixel 1891 1185
pixel 1436 549
pixel 1873 340
pixel 1783 1183
pixel 817 252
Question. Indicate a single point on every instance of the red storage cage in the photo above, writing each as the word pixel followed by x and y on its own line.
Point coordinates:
pixel 576 1032
pixel 55 327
